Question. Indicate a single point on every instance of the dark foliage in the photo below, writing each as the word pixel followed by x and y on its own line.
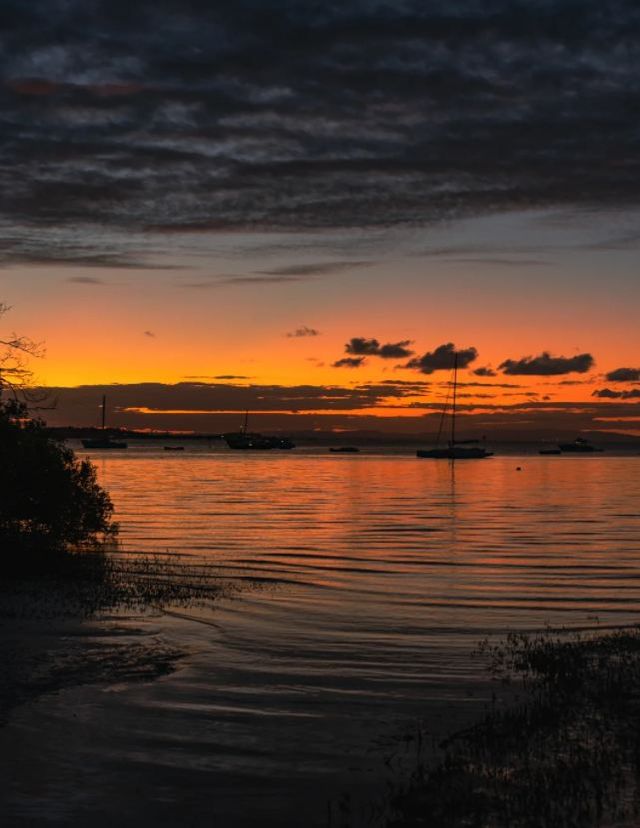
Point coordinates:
pixel 566 756
pixel 49 500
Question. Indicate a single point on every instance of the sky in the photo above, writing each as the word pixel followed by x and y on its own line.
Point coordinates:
pixel 303 209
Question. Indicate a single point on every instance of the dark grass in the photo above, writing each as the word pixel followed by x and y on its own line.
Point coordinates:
pixel 565 755
pixel 50 601
pixel 86 583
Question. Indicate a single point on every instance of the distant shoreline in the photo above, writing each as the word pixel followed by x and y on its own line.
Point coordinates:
pixel 304 439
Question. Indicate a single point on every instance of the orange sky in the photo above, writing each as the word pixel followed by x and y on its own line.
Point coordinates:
pixel 207 306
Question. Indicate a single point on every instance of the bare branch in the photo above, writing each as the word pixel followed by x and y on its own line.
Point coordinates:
pixel 15 375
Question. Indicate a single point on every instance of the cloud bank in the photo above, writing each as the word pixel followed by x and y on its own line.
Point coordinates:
pixel 280 114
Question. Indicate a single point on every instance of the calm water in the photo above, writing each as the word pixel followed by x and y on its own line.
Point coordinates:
pixel 368 581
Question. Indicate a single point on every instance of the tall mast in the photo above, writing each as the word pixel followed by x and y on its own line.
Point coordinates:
pixel 453 408
pixel 246 421
pixel 104 409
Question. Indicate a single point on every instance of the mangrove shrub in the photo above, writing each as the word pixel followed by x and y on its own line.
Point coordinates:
pixel 49 499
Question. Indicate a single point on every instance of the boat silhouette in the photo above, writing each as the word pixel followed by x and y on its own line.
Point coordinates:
pixel 106 441
pixel 579 446
pixel 253 441
pixel 455 449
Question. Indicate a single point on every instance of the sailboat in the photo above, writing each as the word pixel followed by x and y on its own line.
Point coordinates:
pixel 252 441
pixel 106 441
pixel 455 449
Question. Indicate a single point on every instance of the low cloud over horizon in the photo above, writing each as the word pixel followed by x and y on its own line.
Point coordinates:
pixel 215 407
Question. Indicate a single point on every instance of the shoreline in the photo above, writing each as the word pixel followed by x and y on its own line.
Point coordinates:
pixel 45 656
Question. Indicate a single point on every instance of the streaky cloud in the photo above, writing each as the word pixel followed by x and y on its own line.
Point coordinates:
pixel 301 332
pixel 349 362
pixel 86 280
pixel 288 115
pixel 317 269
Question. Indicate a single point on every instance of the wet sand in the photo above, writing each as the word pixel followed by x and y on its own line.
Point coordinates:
pixel 46 656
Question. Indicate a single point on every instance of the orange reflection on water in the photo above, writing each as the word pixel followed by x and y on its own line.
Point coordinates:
pixel 394 537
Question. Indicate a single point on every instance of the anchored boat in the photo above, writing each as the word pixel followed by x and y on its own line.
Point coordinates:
pixel 252 441
pixel 455 449
pixel 106 441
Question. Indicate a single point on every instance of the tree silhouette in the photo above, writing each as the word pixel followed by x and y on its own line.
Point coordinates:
pixel 49 500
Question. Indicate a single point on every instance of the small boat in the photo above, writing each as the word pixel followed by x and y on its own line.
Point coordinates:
pixel 550 451
pixel 174 448
pixel 455 452
pixel 103 443
pixel 252 441
pixel 106 441
pixel 344 449
pixel 455 449
pixel 579 446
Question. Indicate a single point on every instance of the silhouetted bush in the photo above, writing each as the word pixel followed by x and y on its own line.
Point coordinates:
pixel 49 500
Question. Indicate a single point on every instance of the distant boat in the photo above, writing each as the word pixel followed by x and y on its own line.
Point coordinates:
pixel 455 449
pixel 550 451
pixel 252 441
pixel 344 449
pixel 105 442
pixel 579 446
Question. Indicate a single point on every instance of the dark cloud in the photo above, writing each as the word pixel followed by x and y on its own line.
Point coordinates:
pixel 86 280
pixel 259 280
pixel 349 362
pixel 205 379
pixel 359 345
pixel 395 350
pixel 218 282
pixel 484 372
pixel 22 243
pixel 498 262
pixel 624 375
pixel 149 334
pixel 607 393
pixel 302 332
pixel 482 384
pixel 313 269
pixel 260 115
pixel 442 359
pixel 547 365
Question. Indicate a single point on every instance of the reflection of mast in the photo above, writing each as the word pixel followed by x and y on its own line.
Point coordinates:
pixel 453 407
